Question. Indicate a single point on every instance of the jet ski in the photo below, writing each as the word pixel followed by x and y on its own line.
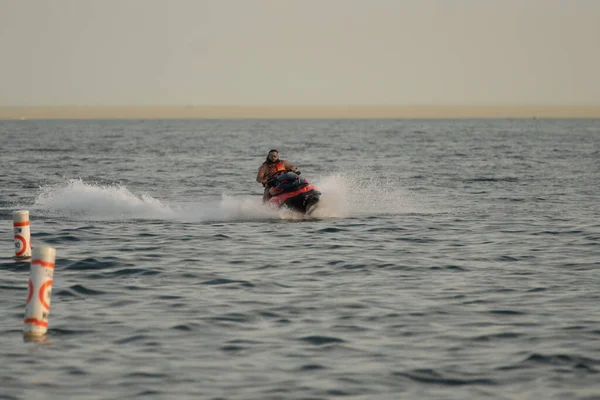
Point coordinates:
pixel 293 192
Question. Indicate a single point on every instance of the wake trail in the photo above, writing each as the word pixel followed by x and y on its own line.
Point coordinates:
pixel 343 196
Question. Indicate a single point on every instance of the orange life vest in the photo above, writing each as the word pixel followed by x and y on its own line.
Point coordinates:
pixel 274 169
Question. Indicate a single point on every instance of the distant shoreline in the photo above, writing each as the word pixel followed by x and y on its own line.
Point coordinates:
pixel 296 112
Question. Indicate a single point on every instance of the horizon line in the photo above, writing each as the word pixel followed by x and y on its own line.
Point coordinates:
pixel 296 111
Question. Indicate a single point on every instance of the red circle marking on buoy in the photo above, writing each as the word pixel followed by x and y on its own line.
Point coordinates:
pixel 25 223
pixel 30 292
pixel 24 243
pixel 42 294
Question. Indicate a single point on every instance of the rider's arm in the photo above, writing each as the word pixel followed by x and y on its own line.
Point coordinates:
pixel 260 177
pixel 288 166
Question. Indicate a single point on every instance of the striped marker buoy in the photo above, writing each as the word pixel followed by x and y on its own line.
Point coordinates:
pixel 37 308
pixel 22 234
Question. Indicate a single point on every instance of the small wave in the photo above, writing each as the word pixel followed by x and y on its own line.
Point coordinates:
pixel 61 237
pixel 68 332
pixel 449 268
pixel 537 290
pixel 331 230
pixel 432 376
pixel 148 375
pixel 185 327
pixel 321 340
pixel 561 360
pixel 491 180
pixel 497 336
pixel 134 272
pixel 232 317
pixel 77 290
pixel 131 339
pixel 222 281
pixel 415 240
pixel 91 264
pixel 148 392
pixel 232 348
pixel 16 266
pixel 355 266
pixel 311 367
pixel 386 229
pixel 13 287
pixel 74 371
pixel 506 312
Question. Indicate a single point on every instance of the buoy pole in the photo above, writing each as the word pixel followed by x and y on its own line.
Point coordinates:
pixel 37 306
pixel 22 234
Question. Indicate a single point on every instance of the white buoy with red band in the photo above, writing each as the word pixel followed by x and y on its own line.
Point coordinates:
pixel 22 234
pixel 37 308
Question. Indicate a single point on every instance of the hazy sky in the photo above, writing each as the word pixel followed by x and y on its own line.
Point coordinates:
pixel 299 52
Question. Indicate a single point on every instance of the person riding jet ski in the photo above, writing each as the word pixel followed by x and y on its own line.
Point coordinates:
pixel 269 169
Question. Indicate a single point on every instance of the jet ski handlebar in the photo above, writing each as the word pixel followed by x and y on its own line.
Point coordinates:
pixel 273 180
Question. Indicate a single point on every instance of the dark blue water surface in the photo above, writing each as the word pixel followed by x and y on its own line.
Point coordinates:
pixel 448 259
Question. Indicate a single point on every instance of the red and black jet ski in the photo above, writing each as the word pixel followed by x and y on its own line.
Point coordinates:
pixel 293 192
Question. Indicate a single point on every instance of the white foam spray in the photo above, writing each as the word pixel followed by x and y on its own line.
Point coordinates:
pixel 343 195
pixel 347 195
pixel 79 199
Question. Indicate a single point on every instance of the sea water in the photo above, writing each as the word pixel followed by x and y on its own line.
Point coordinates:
pixel 448 259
